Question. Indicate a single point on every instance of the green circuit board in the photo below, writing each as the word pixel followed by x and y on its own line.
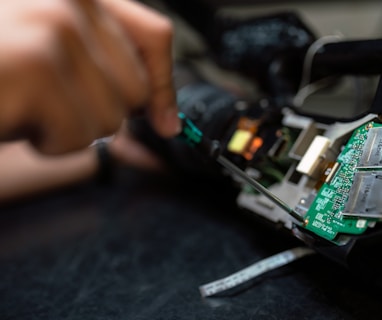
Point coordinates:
pixel 324 216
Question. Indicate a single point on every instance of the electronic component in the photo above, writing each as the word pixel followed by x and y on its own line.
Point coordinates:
pixel 372 151
pixel 349 191
pixel 259 187
pixel 325 167
pixel 239 141
pixel 365 195
pixel 195 138
pixel 312 160
pixel 244 141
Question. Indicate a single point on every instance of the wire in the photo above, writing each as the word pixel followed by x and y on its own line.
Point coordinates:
pixel 313 49
pixel 306 88
pixel 311 88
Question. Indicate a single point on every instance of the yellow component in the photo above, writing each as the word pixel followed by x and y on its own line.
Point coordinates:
pixel 239 141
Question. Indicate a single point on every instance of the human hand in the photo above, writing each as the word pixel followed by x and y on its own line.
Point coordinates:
pixel 70 70
pixel 126 150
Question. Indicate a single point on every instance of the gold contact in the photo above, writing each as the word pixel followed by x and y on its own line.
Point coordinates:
pixel 332 172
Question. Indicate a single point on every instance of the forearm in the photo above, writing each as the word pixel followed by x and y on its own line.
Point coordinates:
pixel 23 171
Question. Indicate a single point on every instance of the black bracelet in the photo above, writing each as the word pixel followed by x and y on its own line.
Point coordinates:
pixel 105 163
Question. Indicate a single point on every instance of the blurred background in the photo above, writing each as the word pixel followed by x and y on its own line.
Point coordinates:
pixel 346 20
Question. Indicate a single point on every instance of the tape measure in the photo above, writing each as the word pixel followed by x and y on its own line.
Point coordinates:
pixel 253 271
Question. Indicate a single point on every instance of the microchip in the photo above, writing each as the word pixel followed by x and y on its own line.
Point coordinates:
pixel 372 150
pixel 365 195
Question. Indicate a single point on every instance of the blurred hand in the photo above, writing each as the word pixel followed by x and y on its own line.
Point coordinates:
pixel 126 150
pixel 70 70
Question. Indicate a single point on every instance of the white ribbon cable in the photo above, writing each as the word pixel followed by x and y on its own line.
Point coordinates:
pixel 253 271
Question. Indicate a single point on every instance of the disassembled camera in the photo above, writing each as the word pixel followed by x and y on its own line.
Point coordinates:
pixel 333 180
pixel 338 191
pixel 328 169
pixel 330 173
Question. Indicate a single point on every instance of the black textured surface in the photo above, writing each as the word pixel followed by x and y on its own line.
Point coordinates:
pixel 139 248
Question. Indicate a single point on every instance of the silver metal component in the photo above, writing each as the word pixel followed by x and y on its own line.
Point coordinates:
pixel 372 150
pixel 305 203
pixel 365 196
pixel 338 131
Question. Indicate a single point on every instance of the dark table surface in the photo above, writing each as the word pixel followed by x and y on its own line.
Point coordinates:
pixel 140 247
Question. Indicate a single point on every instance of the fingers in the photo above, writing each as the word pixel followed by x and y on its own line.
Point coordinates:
pixel 116 54
pixel 60 95
pixel 128 151
pixel 71 81
pixel 59 120
pixel 152 34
